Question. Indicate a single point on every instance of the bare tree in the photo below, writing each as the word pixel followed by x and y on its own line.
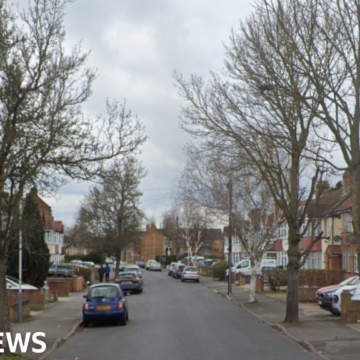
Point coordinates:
pixel 253 115
pixel 110 214
pixel 205 180
pixel 329 58
pixel 45 138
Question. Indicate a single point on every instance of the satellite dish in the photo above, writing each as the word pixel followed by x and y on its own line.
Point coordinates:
pixel 337 238
pixel 349 239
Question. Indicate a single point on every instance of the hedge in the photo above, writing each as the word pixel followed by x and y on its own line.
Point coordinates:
pixel 308 277
pixel 218 270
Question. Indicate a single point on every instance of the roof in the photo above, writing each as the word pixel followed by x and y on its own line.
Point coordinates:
pixel 334 249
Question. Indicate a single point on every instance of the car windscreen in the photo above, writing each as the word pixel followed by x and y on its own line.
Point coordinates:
pixel 126 276
pixel 133 269
pixel 181 267
pixel 191 269
pixel 103 292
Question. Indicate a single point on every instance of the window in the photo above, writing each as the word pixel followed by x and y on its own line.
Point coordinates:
pixel 346 259
pixel 347 222
pixel 356 269
pixel 313 260
pixel 282 258
pixel 326 227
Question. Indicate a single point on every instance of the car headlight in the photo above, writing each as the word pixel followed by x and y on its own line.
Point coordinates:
pixel 352 292
pixel 335 299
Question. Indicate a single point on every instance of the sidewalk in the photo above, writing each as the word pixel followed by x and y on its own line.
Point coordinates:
pixel 58 322
pixel 318 330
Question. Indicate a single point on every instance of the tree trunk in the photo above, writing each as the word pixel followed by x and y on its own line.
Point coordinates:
pixel 292 296
pixel 254 274
pixel 5 325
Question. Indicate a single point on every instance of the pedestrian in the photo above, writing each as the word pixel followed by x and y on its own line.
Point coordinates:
pixel 101 273
pixel 107 272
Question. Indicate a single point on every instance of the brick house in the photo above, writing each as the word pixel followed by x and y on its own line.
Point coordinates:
pixel 54 230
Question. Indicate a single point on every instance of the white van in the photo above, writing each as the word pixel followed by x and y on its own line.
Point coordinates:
pixel 244 266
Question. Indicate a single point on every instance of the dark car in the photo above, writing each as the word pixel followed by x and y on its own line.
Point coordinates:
pixel 105 302
pixel 61 270
pixel 129 282
pixel 178 270
pixel 141 264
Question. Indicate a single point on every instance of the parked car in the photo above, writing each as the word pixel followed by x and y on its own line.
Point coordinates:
pixel 109 261
pixel 61 270
pixel 155 266
pixel 129 282
pixel 190 273
pixel 141 264
pixel 75 261
pixel 105 302
pixel 178 270
pixel 134 268
pixel 171 268
pixel 14 284
pixel 244 266
pixel 324 295
pixel 148 264
pixel 123 265
pixel 336 296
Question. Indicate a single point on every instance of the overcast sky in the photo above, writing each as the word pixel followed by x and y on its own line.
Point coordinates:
pixel 136 45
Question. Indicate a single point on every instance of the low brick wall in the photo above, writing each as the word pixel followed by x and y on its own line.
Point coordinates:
pixel 307 294
pixel 60 286
pixel 77 284
pixel 13 310
pixel 205 271
pixel 350 310
pixel 36 298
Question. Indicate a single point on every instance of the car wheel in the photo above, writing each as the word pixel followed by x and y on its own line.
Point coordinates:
pixel 198 281
pixel 182 280
pixel 85 323
pixel 127 316
pixel 123 321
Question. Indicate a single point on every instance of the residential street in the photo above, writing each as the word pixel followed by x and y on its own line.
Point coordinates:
pixel 174 320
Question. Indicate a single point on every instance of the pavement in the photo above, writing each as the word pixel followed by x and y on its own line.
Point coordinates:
pixel 318 330
pixel 58 321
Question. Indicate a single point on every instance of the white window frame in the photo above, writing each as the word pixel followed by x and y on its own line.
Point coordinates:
pixel 346 260
pixel 347 222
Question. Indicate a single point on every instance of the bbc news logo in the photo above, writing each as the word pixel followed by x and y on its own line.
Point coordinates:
pixel 23 343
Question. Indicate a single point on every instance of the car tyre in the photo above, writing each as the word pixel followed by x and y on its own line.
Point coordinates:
pixel 85 323
pixel 123 321
pixel 182 280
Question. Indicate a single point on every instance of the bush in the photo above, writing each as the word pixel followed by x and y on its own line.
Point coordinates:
pixel 85 272
pixel 275 278
pixel 218 270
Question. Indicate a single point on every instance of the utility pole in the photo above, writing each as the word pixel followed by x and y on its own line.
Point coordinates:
pixel 154 247
pixel 230 235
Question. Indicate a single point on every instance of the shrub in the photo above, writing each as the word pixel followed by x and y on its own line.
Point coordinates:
pixel 218 270
pixel 85 272
pixel 275 278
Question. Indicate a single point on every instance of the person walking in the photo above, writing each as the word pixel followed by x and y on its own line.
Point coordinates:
pixel 101 273
pixel 107 272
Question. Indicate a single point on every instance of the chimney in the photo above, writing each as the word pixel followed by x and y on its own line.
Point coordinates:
pixel 346 180
pixel 322 187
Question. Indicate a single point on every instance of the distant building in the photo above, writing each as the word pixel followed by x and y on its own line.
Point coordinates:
pixel 54 230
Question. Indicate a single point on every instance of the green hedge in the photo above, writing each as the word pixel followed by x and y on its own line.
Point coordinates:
pixel 85 272
pixel 218 270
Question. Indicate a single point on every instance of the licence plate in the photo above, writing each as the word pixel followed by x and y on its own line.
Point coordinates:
pixel 191 277
pixel 127 282
pixel 103 307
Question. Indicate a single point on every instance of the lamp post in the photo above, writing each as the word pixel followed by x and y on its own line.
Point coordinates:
pixel 20 279
pixel 154 247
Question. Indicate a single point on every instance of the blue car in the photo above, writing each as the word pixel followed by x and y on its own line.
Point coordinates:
pixel 129 282
pixel 105 302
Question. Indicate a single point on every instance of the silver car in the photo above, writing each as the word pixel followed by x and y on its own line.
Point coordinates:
pixel 190 273
pixel 155 266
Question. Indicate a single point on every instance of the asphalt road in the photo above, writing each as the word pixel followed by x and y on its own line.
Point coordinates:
pixel 171 320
